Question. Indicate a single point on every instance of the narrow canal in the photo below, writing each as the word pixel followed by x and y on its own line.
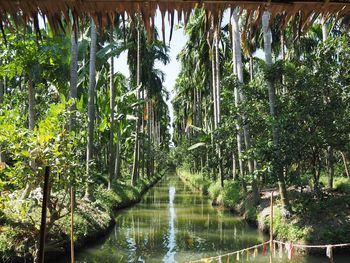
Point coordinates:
pixel 175 224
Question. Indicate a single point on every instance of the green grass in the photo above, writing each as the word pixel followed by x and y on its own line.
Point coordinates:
pixel 196 180
pixel 228 196
pixel 343 185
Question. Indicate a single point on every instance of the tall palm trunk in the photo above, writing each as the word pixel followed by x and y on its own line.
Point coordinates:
pixel 73 95
pixel 1 90
pixel 111 120
pixel 345 164
pixel 2 157
pixel 271 90
pixel 73 77
pixel 218 108
pixel 324 29
pixel 251 67
pixel 239 71
pixel 91 106
pixel 330 166
pixel 31 124
pixel 213 68
pixel 117 153
pixel 149 105
pixel 330 153
pixel 135 169
pixel 31 104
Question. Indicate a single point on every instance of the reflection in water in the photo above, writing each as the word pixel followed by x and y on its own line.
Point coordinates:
pixel 170 255
pixel 174 224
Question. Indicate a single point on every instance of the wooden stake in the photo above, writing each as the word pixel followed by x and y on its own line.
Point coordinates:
pixel 271 227
pixel 46 193
pixel 72 199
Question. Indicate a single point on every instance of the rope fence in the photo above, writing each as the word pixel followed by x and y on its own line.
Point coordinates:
pixel 229 254
pixel 288 245
pixel 313 246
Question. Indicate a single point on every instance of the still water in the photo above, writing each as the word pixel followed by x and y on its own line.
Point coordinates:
pixel 175 224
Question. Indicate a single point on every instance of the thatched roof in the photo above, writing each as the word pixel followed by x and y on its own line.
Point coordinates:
pixel 60 12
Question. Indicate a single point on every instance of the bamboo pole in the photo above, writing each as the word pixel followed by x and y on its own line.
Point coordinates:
pixel 72 199
pixel 271 227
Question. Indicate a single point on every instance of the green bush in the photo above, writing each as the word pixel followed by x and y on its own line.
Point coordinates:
pixel 285 229
pixel 231 193
pixel 197 180
pixel 343 185
pixel 106 199
pixel 214 191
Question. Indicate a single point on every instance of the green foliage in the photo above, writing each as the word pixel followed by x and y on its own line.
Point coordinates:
pixel 285 229
pixel 197 180
pixel 215 190
pixel 343 185
pixel 231 193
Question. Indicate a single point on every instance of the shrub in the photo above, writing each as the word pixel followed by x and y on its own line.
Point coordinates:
pixel 343 185
pixel 231 193
pixel 214 190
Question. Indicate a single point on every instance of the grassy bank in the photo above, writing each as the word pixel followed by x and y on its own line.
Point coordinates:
pixel 92 220
pixel 313 219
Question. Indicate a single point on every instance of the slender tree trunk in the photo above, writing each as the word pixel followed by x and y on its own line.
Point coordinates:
pixel 2 155
pixel 46 197
pixel 239 71
pixel 324 29
pixel 1 90
pixel 135 169
pixel 73 95
pixel 276 162
pixel 148 166
pixel 31 124
pixel 72 205
pixel 235 57
pixel 111 120
pixel 73 78
pixel 345 164
pixel 330 164
pixel 234 174
pixel 251 67
pixel 142 148
pixel 91 106
pixel 118 153
pixel 31 104
pixel 213 68
pixel 218 114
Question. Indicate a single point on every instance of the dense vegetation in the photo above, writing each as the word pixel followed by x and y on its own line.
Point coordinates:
pixel 65 112
pixel 74 129
pixel 245 124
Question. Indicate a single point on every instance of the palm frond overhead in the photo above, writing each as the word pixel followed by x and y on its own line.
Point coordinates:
pixel 73 12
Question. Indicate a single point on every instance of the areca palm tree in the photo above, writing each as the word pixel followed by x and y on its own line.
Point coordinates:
pixel 73 95
pixel 239 97
pixel 271 91
pixel 111 119
pixel 148 82
pixel 91 103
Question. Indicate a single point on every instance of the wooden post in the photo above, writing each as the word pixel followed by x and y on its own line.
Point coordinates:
pixel 72 199
pixel 46 193
pixel 271 227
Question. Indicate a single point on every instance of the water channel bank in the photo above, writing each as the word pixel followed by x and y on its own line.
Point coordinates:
pixel 173 223
pixel 93 219
pixel 310 227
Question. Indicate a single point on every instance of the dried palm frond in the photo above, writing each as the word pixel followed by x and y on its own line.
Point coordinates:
pixel 59 13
